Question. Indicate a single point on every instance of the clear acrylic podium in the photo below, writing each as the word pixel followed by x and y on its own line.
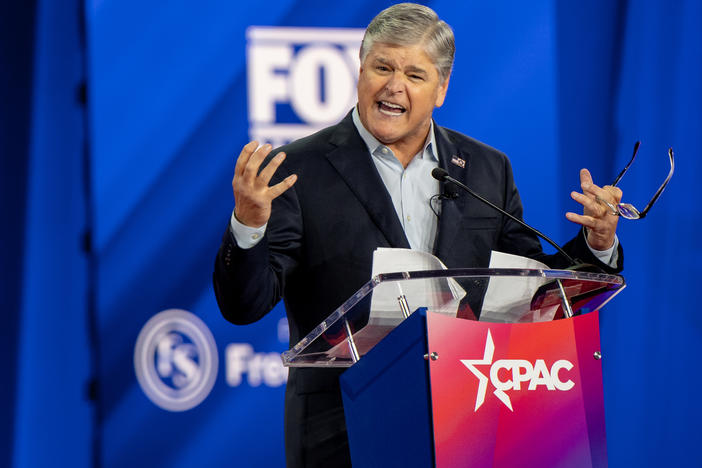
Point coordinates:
pixel 469 367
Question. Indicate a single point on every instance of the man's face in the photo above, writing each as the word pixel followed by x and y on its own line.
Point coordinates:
pixel 398 88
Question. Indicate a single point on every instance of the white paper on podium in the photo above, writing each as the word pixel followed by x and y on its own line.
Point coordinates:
pixel 441 295
pixel 508 299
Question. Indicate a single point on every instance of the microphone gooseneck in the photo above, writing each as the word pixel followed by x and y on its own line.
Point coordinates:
pixel 442 175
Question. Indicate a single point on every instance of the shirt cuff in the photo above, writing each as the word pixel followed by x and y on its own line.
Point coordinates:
pixel 609 256
pixel 246 237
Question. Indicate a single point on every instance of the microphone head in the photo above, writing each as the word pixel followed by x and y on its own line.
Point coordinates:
pixel 439 173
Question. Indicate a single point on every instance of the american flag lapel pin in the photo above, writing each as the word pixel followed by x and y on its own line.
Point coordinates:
pixel 458 161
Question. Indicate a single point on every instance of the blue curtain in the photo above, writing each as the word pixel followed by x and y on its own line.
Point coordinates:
pixel 16 46
pixel 652 333
pixel 633 71
pixel 51 413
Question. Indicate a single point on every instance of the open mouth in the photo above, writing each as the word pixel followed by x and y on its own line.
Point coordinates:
pixel 388 108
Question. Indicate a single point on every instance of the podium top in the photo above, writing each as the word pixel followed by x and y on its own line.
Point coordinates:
pixel 507 295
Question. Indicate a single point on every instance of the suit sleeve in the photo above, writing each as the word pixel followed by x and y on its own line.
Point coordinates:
pixel 248 283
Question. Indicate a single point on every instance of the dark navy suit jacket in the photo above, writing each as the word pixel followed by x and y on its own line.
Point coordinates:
pixel 318 250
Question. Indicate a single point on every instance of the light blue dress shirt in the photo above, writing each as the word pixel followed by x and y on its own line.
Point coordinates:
pixel 410 188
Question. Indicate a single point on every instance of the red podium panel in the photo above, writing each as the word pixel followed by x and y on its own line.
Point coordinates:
pixel 506 395
pixel 521 388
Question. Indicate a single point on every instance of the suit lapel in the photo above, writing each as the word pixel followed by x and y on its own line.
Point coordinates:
pixel 452 211
pixel 352 161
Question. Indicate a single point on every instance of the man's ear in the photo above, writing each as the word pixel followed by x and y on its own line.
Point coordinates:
pixel 441 94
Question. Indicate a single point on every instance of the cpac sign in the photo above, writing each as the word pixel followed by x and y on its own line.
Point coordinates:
pixel 510 374
pixel 299 80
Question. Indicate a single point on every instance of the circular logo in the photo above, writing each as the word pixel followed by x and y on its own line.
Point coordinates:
pixel 175 360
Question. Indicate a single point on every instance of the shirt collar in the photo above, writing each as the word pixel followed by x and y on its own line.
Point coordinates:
pixel 428 151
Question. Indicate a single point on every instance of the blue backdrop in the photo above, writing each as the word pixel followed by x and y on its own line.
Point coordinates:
pixel 119 136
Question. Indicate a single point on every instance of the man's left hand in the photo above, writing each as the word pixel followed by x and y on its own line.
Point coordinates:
pixel 597 218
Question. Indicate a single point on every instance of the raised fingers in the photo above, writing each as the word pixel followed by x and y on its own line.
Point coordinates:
pixel 590 204
pixel 254 163
pixel 268 171
pixel 583 220
pixel 615 191
pixel 588 186
pixel 278 189
pixel 244 157
pixel 252 194
pixel 607 193
pixel 599 211
pixel 585 178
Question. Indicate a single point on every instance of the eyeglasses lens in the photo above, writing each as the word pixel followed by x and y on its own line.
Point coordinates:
pixel 628 211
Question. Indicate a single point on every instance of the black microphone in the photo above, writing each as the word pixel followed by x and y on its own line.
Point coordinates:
pixel 450 191
pixel 442 176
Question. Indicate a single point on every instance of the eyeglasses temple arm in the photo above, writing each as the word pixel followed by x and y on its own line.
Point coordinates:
pixel 633 156
pixel 665 182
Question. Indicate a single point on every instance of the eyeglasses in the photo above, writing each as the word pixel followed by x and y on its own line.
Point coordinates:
pixel 627 210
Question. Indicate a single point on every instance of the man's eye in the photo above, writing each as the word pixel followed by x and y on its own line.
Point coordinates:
pixel 417 77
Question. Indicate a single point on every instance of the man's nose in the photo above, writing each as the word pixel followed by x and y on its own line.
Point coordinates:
pixel 395 83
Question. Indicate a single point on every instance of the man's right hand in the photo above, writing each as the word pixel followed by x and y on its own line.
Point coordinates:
pixel 252 195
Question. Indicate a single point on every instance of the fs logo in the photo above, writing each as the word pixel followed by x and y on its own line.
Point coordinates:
pixel 520 371
pixel 299 80
pixel 175 360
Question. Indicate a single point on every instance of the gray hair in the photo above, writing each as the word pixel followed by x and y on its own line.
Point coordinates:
pixel 408 24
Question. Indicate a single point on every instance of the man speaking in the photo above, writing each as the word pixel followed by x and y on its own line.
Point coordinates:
pixel 309 215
